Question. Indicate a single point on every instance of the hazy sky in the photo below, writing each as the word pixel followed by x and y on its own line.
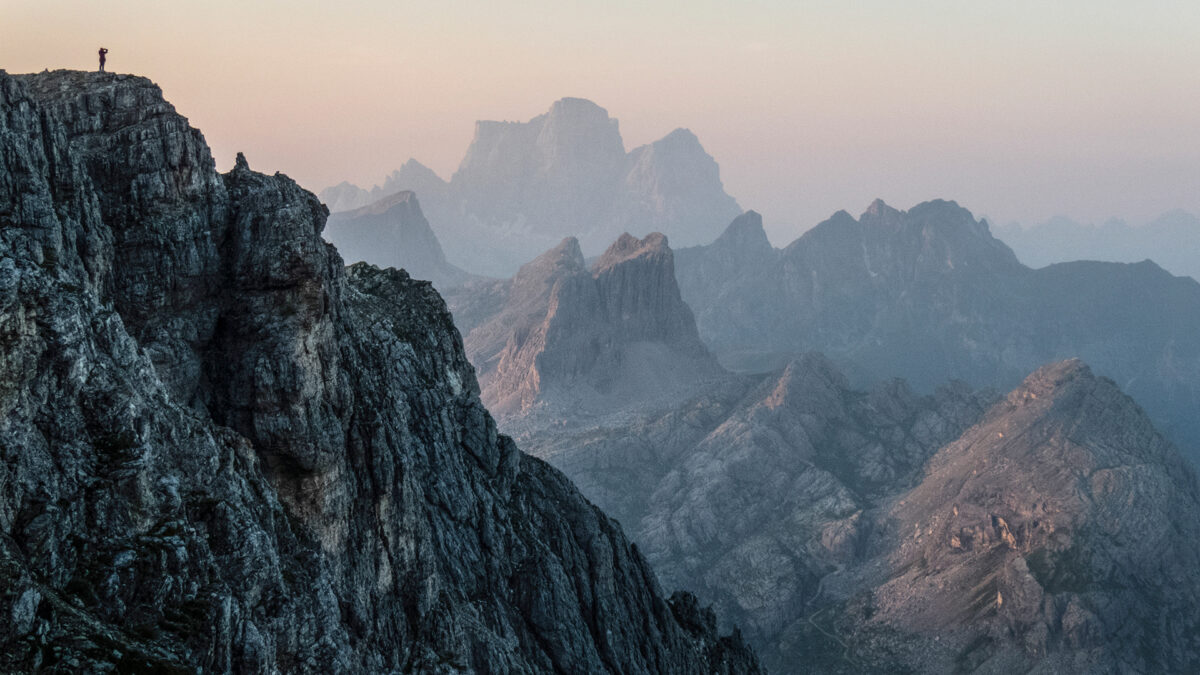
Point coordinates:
pixel 1018 110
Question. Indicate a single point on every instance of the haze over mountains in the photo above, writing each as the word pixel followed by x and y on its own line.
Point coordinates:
pixel 878 530
pixel 223 448
pixel 562 338
pixel 929 295
pixel 393 232
pixel 1172 240
pixel 524 186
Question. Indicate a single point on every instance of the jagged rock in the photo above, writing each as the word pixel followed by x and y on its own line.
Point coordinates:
pixel 612 337
pixel 929 295
pixel 223 451
pixel 523 186
pixel 393 232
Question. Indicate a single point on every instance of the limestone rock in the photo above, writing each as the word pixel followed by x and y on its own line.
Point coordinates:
pixel 221 450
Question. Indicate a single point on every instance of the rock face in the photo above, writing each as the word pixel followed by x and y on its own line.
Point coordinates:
pixel 1171 240
pixel 615 336
pixel 929 295
pixel 1052 530
pixel 393 232
pixel 1059 533
pixel 224 451
pixel 523 186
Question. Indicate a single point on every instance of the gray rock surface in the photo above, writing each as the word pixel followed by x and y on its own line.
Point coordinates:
pixel 929 295
pixel 393 232
pixel 562 339
pixel 222 451
pixel 524 186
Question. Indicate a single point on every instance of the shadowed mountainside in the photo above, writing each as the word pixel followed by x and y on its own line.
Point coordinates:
pixel 222 450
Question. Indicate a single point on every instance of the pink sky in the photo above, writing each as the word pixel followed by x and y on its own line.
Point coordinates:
pixel 1018 110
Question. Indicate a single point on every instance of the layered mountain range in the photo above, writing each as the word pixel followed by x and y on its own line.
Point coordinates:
pixel 883 531
pixel 524 186
pixel 1172 240
pixel 877 530
pixel 393 232
pixel 221 450
pixel 929 295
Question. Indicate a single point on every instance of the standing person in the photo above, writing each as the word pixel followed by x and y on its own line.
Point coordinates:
pixel 103 51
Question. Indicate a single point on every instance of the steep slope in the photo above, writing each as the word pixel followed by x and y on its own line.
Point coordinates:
pixel 929 295
pixel 223 451
pixel 524 186
pixel 595 340
pixel 393 232
pixel 1059 533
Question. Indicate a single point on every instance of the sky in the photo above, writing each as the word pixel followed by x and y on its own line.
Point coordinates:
pixel 1018 110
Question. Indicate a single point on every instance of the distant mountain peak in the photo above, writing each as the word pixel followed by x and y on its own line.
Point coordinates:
pixel 880 210
pixel 627 247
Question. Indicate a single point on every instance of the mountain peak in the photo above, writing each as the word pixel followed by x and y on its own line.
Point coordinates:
pixel 880 210
pixel 627 247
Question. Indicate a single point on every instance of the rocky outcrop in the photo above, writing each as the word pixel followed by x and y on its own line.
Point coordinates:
pixel 393 232
pixel 929 295
pixel 1060 534
pixel 223 451
pixel 523 186
pixel 615 336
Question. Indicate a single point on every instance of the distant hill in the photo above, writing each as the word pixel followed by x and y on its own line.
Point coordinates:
pixel 929 295
pixel 1172 241
pixel 524 186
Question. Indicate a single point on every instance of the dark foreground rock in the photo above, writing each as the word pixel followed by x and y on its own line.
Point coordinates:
pixel 223 452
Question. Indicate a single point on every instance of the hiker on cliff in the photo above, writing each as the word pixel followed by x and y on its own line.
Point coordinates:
pixel 103 51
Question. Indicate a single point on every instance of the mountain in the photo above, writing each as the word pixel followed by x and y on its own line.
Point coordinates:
pixel 393 232
pixel 414 176
pixel 1171 240
pixel 929 295
pixel 884 531
pixel 524 186
pixel 562 335
pixel 223 451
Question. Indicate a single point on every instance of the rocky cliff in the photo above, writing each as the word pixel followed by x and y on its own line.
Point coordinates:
pixel 524 186
pixel 592 340
pixel 393 232
pixel 929 295
pixel 222 451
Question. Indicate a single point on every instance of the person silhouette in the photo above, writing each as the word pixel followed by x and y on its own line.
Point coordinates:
pixel 103 51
